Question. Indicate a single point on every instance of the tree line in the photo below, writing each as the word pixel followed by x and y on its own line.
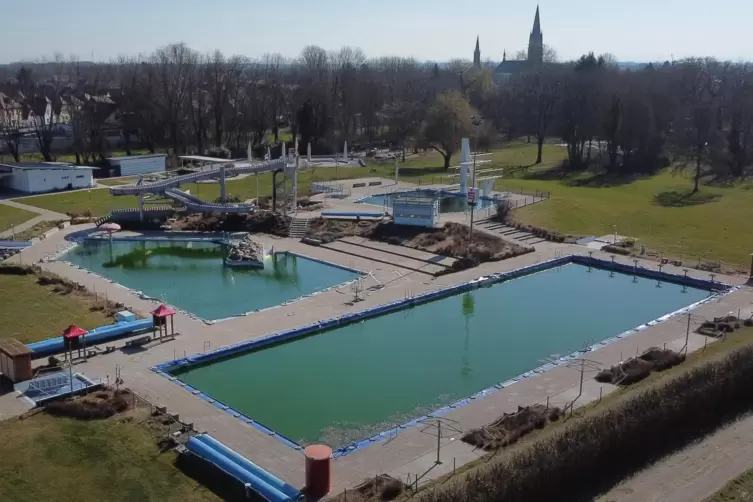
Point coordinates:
pixel 694 112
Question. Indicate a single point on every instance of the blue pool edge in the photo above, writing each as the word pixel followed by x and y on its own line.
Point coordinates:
pixel 717 290
pixel 60 258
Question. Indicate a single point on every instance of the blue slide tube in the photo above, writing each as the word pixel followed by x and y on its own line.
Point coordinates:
pixel 213 456
pixel 254 469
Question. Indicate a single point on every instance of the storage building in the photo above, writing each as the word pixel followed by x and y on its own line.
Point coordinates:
pixel 15 360
pixel 137 164
pixel 41 177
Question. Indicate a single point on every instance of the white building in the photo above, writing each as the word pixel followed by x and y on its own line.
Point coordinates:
pixel 41 177
pixel 138 164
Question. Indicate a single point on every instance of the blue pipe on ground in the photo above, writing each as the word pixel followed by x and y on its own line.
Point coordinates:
pixel 213 456
pixel 97 335
pixel 249 466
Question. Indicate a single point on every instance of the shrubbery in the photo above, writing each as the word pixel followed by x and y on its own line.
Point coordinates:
pixel 595 453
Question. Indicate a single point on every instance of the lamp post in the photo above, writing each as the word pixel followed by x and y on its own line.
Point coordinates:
pixel 472 199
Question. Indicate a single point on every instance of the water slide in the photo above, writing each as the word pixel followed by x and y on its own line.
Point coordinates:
pixel 168 187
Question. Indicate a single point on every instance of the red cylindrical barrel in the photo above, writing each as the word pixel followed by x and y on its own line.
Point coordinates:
pixel 318 472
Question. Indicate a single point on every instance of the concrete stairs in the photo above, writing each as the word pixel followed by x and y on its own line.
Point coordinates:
pixel 298 227
pixel 511 234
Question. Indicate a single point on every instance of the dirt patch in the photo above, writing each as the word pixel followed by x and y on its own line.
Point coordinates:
pixel 382 487
pixel 97 405
pixel 262 221
pixel 636 369
pixel 509 428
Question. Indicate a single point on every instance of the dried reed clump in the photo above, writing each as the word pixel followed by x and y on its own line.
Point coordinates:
pixel 636 369
pixel 592 454
pixel 720 326
pixel 509 428
pixel 96 406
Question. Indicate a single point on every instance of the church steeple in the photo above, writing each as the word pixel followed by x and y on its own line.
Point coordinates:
pixel 536 42
pixel 477 54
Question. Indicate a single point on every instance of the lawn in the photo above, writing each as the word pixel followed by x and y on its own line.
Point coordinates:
pixel 98 201
pixel 659 211
pixel 37 230
pixel 11 216
pixel 44 458
pixel 32 312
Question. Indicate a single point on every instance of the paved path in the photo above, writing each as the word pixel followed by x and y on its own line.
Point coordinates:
pixel 42 215
pixel 694 473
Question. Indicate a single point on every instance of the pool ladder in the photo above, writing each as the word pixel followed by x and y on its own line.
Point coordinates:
pixel 207 346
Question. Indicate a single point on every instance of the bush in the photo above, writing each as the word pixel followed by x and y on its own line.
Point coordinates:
pixel 504 209
pixel 611 248
pixel 594 453
pixel 8 269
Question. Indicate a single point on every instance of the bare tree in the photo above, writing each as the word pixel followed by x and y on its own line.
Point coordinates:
pixel 448 121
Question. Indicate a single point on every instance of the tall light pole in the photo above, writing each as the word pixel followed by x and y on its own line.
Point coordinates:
pixel 472 199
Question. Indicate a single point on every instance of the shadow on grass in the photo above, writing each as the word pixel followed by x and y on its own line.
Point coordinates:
pixel 684 198
pixel 584 179
pixel 214 479
pixel 418 171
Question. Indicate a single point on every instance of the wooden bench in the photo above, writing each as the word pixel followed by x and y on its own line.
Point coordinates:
pixel 137 342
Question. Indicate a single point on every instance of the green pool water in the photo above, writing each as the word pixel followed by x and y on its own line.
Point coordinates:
pixel 345 384
pixel 191 276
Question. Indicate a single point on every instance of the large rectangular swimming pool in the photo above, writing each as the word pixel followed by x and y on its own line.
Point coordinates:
pixel 353 381
pixel 191 275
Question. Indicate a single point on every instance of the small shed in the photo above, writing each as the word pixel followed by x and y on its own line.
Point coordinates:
pixel 135 165
pixel 15 360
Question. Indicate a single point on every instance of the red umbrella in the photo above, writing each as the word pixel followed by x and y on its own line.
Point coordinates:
pixel 73 331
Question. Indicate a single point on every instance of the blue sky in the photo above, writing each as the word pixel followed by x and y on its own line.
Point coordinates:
pixel 634 30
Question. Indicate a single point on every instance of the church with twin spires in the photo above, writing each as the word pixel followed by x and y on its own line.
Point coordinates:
pixel 513 67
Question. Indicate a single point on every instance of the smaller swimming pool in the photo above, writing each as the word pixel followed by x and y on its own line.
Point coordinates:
pixel 449 202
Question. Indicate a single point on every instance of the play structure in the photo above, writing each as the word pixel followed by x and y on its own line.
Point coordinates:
pixel 211 168
pixel 125 325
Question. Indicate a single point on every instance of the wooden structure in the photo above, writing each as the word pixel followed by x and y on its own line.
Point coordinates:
pixel 159 316
pixel 15 360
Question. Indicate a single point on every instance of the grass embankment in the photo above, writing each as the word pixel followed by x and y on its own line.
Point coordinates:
pixel 608 441
pixel 37 230
pixel 33 312
pixel 44 458
pixel 11 216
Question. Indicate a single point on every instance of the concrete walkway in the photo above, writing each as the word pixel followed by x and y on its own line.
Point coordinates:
pixel 42 215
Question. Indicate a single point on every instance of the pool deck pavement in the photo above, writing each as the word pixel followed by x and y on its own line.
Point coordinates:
pixel 411 451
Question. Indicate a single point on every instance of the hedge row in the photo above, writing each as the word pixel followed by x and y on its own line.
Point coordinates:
pixel 595 453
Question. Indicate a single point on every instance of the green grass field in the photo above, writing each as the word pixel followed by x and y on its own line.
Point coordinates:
pixel 656 210
pixel 37 230
pixel 739 489
pixel 44 458
pixel 12 216
pixel 32 312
